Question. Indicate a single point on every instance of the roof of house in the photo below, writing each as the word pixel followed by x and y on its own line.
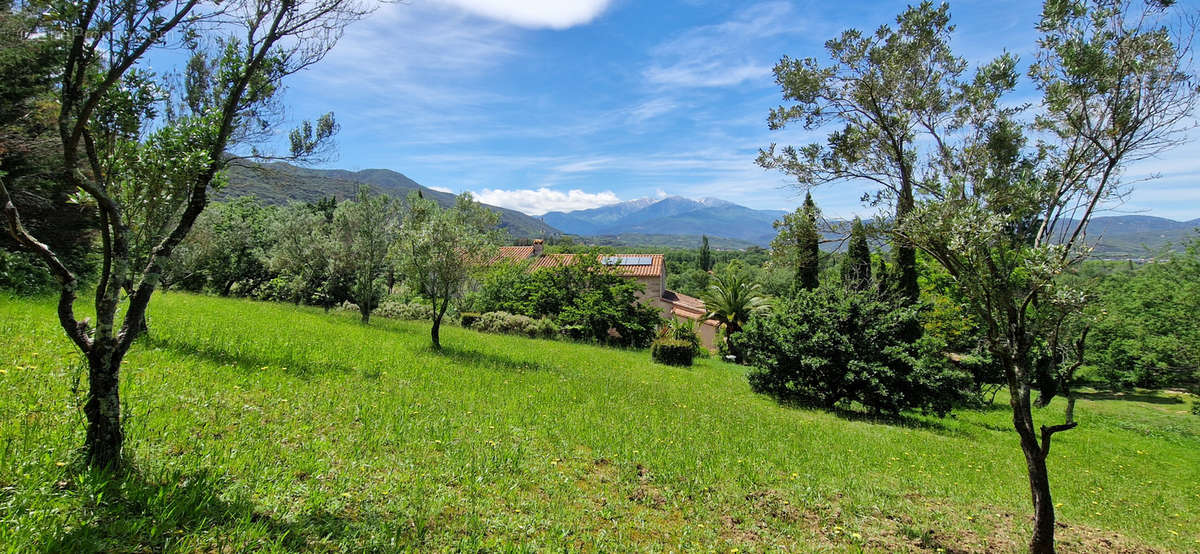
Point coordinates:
pixel 690 307
pixel 513 253
pixel 628 265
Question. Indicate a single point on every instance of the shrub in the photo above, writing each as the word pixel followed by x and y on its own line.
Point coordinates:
pixel 510 324
pixel 828 347
pixel 400 310
pixel 468 319
pixel 672 352
pixel 21 274
pixel 684 330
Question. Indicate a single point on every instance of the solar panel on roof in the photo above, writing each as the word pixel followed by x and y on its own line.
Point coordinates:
pixel 626 260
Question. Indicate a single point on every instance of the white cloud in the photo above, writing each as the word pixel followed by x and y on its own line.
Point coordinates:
pixel 542 200
pixel 537 14
pixel 441 189
pixel 721 55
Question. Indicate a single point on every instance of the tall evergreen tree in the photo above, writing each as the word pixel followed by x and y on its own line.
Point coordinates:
pixel 856 270
pixel 882 279
pixel 705 254
pixel 808 266
pixel 797 246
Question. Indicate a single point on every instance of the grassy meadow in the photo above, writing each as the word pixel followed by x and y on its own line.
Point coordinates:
pixel 255 426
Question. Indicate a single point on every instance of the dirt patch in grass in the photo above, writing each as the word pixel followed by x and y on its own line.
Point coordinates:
pixel 986 530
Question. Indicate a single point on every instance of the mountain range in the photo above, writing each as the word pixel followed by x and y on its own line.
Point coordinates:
pixel 281 183
pixel 672 221
pixel 672 215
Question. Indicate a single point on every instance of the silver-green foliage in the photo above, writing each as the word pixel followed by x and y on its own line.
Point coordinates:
pixel 439 249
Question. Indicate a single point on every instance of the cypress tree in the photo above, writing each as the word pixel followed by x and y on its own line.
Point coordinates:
pixel 856 270
pixel 882 284
pixel 705 254
pixel 808 259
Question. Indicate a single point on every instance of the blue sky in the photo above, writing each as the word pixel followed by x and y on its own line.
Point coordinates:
pixel 543 105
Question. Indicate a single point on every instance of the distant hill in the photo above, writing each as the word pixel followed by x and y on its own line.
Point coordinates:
pixel 678 222
pixel 673 215
pixel 281 183
pixel 1137 236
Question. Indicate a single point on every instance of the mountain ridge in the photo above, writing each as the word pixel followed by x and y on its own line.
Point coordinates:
pixel 281 183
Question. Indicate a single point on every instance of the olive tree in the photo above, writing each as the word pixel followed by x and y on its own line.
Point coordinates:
pixel 362 232
pixel 1007 212
pixel 259 43
pixel 439 248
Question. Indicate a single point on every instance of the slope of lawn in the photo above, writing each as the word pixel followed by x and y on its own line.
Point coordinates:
pixel 258 426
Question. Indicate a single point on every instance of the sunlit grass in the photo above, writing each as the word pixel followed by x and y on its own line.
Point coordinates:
pixel 263 426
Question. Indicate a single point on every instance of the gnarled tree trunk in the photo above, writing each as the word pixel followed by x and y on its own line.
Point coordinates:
pixel 103 409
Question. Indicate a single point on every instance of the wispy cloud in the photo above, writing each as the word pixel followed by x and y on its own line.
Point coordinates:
pixel 552 14
pixel 721 55
pixel 542 200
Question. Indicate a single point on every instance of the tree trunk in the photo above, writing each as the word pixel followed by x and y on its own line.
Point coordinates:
pixel 228 287
pixel 437 323
pixel 1042 541
pixel 907 288
pixel 103 410
pixel 366 315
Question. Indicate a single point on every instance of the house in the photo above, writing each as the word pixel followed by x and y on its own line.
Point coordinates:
pixel 647 269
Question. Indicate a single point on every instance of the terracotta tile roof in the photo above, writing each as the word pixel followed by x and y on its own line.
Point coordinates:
pixel 552 260
pixel 690 307
pixel 513 253
pixel 653 270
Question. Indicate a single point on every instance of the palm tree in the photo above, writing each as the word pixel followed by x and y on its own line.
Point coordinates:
pixel 732 298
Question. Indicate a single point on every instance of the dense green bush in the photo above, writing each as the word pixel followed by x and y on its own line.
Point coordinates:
pixel 468 319
pixel 22 274
pixel 515 324
pixel 684 330
pixel 830 346
pixel 672 352
pixel 587 301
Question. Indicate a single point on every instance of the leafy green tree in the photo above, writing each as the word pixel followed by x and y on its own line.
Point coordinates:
pixel 1145 332
pixel 261 43
pixel 706 262
pixel 834 346
pixel 585 299
pixel 692 282
pixel 798 244
pixel 363 231
pixel 302 254
pixel 237 234
pixel 856 268
pixel 886 91
pixel 1006 219
pixel 439 249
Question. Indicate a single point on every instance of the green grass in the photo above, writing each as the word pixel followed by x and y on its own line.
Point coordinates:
pixel 256 426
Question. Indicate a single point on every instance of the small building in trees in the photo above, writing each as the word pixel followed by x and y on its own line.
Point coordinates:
pixel 647 269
